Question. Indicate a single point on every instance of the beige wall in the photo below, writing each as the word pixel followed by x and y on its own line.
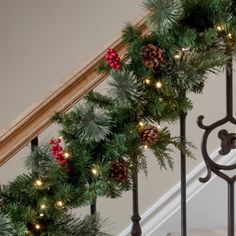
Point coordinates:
pixel 43 41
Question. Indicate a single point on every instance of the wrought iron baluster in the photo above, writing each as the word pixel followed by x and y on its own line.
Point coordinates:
pixel 34 143
pixel 231 209
pixel 183 116
pixel 136 228
pixel 93 208
pixel 228 142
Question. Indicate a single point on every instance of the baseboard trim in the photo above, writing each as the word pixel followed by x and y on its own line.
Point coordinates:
pixel 169 204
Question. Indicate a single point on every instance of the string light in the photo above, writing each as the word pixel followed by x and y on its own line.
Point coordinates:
pixel 181 53
pixel 220 28
pixel 141 124
pixel 38 183
pixel 95 170
pixel 145 146
pixel 37 226
pixel 41 214
pixel 43 206
pixel 178 56
pixel 147 81
pixel 158 126
pixel 66 155
pixel 158 84
pixel 60 203
pixel 229 36
pixel 27 232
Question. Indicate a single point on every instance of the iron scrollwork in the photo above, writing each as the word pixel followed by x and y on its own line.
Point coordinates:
pixel 228 142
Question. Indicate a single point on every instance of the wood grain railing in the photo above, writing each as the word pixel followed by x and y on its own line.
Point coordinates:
pixel 35 121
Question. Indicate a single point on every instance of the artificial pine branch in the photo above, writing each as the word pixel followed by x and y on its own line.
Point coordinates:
pixel 89 226
pixel 125 89
pixel 94 123
pixel 95 98
pixel 5 226
pixel 164 14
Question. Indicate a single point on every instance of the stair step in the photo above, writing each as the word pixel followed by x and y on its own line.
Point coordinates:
pixel 203 232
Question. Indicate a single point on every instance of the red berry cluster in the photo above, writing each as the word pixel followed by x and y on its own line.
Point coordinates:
pixel 113 59
pixel 57 151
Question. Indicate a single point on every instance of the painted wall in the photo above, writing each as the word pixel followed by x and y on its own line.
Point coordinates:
pixel 43 41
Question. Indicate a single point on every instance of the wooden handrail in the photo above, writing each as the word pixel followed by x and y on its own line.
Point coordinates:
pixel 63 98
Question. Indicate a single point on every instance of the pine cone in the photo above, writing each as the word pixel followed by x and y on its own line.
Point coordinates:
pixel 150 135
pixel 118 171
pixel 152 56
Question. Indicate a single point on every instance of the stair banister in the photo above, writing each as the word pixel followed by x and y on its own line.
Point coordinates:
pixel 35 121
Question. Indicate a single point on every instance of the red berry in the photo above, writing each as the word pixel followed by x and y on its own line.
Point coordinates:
pixel 51 141
pixel 58 140
pixel 57 155
pixel 62 162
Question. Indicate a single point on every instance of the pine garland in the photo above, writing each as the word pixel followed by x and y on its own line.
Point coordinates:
pixel 187 40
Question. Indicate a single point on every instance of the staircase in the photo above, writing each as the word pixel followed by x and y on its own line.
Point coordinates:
pixel 203 232
pixel 71 91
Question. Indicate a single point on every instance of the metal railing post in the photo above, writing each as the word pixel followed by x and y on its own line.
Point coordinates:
pixel 93 208
pixel 136 228
pixel 227 144
pixel 183 116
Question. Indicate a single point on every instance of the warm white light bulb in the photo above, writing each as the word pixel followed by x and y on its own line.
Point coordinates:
pixel 41 214
pixel 38 183
pixel 67 155
pixel 94 171
pixel 60 204
pixel 145 146
pixel 158 84
pixel 158 126
pixel 229 36
pixel 177 56
pixel 141 124
pixel 43 206
pixel 219 28
pixel 147 81
pixel 37 226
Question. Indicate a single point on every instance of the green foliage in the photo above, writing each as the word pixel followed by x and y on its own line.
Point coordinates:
pixel 93 123
pixel 191 38
pixel 125 89
pixel 28 204
pixel 131 33
pixel 5 226
pixel 90 225
pixel 164 14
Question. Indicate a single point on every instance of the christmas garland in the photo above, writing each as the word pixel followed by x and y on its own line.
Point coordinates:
pixel 103 140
